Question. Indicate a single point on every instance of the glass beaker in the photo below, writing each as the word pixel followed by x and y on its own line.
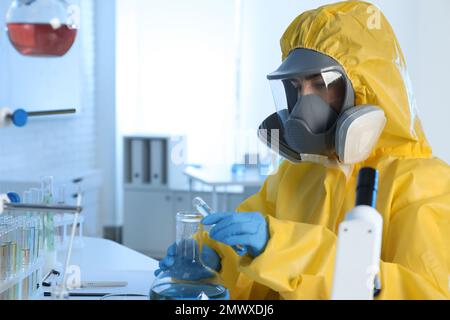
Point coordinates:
pixel 42 27
pixel 188 278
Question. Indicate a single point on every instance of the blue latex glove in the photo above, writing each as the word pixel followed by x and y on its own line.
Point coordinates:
pixel 248 230
pixel 184 268
pixel 14 197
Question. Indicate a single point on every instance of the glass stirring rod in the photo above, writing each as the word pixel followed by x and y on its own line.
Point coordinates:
pixel 205 211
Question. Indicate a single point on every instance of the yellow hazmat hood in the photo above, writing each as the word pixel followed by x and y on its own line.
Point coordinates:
pixel 360 38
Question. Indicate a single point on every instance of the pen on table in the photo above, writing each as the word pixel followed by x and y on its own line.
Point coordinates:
pixel 85 295
pixel 103 284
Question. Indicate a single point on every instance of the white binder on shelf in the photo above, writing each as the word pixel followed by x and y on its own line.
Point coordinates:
pixel 157 162
pixel 137 159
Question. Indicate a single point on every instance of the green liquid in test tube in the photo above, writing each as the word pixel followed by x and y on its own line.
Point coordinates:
pixel 4 252
pixel 49 224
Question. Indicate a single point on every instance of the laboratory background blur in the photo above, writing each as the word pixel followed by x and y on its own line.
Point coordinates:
pixel 169 96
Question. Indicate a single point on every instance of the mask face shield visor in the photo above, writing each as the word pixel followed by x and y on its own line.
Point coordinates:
pixel 310 91
pixel 329 86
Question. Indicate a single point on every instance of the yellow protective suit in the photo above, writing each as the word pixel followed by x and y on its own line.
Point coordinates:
pixel 305 203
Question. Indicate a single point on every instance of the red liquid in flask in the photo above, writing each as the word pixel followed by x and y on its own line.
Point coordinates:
pixel 40 39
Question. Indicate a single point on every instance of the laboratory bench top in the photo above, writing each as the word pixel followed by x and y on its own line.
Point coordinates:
pixel 105 260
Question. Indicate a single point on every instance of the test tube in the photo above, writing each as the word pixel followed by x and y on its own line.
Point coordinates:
pixel 38 237
pixel 37 198
pixel 25 288
pixel 4 256
pixel 34 283
pixel 19 221
pixel 25 244
pixel 49 223
pixel 4 249
pixel 29 232
pixel 17 244
pixel 32 239
pixel 12 292
pixel 11 248
pixel 62 229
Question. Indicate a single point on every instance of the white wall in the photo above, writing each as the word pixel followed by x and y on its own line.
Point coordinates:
pixel 48 146
pixel 176 72
pixel 432 70
pixel 421 26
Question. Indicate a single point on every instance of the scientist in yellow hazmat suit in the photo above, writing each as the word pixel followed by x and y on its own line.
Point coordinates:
pixel 343 101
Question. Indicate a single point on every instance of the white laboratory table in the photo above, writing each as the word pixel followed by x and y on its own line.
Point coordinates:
pixel 222 176
pixel 105 260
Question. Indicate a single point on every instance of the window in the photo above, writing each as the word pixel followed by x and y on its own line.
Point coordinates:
pixel 176 73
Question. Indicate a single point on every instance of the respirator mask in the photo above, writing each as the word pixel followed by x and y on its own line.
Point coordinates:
pixel 316 113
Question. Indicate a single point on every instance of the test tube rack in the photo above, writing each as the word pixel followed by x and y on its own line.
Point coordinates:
pixel 25 283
